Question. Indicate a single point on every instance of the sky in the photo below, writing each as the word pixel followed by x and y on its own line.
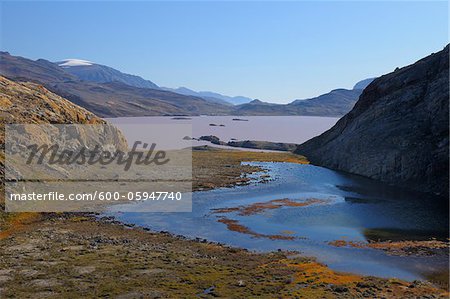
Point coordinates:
pixel 272 51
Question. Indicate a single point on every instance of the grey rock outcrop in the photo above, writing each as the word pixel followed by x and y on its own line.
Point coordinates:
pixel 398 131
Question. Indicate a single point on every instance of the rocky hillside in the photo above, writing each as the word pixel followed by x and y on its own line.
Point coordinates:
pixel 335 103
pixel 398 131
pixel 31 103
pixel 26 102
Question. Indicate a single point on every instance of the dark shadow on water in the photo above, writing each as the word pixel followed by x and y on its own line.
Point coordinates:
pixel 416 208
pixel 359 200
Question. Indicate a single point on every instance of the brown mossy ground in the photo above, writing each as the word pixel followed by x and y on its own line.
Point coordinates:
pixel 213 168
pixel 68 256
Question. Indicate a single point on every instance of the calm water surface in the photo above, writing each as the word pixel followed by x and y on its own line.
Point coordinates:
pixel 289 129
pixel 353 209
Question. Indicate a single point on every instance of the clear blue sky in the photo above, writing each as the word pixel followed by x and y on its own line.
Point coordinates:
pixel 273 51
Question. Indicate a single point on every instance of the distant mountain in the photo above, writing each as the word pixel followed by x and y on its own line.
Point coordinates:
pixel 398 131
pixel 92 72
pixel 41 70
pixel 110 99
pixel 335 103
pixel 212 96
pixel 363 83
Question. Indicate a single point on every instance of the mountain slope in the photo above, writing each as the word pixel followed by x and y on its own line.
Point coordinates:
pixel 212 96
pixel 32 103
pixel 398 131
pixel 363 83
pixel 22 69
pixel 92 72
pixel 190 92
pixel 335 103
pixel 111 99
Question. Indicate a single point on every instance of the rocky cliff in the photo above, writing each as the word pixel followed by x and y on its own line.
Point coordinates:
pixel 31 103
pixel 398 131
pixel 25 102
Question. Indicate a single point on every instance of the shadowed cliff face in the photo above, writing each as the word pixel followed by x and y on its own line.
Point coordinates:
pixel 398 131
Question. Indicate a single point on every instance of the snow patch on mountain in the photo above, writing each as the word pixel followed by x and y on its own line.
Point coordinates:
pixel 74 62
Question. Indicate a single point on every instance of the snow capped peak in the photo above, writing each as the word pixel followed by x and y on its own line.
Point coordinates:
pixel 74 62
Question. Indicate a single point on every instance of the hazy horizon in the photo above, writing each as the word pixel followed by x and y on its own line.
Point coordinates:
pixel 273 51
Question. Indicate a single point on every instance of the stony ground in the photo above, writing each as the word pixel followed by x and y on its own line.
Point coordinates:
pixel 68 256
pixel 78 256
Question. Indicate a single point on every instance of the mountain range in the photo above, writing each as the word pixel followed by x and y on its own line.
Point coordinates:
pixel 213 96
pixel 93 72
pixel 111 93
pixel 335 103
pixel 109 99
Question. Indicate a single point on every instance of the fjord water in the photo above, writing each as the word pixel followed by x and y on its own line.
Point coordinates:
pixel 288 129
pixel 352 209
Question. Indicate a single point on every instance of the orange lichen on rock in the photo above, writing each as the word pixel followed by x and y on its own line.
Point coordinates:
pixel 314 280
pixel 321 274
